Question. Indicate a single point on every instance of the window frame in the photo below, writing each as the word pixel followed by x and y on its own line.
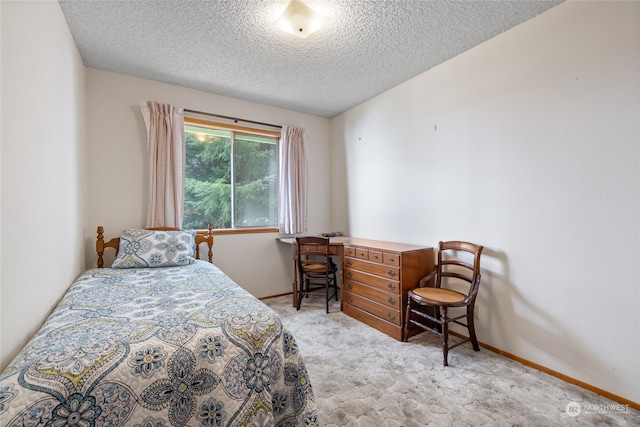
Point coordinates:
pixel 195 121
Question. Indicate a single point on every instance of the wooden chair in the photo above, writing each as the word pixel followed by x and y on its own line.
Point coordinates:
pixel 316 270
pixel 428 304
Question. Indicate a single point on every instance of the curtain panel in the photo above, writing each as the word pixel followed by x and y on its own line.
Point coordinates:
pixel 166 147
pixel 293 199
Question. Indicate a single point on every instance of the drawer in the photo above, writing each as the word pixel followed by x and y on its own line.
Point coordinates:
pixel 362 253
pixel 374 294
pixel 350 251
pixel 332 249
pixel 391 259
pixel 391 329
pixel 387 285
pixel 375 256
pixel 386 313
pixel 382 270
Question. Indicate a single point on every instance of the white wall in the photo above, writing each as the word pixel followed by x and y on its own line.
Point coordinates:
pixel 43 172
pixel 529 145
pixel 118 180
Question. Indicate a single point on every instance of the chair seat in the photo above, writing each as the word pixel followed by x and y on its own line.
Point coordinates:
pixel 317 269
pixel 439 295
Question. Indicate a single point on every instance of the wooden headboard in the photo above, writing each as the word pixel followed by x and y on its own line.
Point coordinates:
pixel 202 236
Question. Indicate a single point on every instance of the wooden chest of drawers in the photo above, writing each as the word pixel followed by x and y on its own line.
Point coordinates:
pixel 377 277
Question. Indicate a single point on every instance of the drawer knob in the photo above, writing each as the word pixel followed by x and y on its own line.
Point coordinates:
pixel 391 316
pixel 350 286
pixel 349 300
pixel 349 263
pixel 391 301
pixel 348 274
pixel 391 273
pixel 391 286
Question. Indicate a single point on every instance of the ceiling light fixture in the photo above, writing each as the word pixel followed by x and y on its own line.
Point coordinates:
pixel 300 20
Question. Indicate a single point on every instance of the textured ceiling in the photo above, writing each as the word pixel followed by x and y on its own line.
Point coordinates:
pixel 230 47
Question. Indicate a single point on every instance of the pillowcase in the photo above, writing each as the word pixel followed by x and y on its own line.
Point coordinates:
pixel 154 248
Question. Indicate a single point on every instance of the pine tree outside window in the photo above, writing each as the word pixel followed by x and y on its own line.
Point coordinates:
pixel 231 176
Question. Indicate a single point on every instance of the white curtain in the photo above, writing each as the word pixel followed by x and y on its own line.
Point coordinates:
pixel 166 146
pixel 292 201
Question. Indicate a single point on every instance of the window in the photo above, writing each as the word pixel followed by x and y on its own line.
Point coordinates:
pixel 231 176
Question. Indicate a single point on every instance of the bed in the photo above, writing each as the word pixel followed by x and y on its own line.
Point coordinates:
pixel 159 339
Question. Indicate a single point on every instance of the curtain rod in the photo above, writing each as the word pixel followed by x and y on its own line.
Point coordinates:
pixel 235 119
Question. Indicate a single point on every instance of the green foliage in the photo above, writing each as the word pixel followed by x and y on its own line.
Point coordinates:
pixel 208 183
pixel 208 203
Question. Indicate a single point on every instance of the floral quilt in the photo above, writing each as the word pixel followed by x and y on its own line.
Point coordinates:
pixel 154 347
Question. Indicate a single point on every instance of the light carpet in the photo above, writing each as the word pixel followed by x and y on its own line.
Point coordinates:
pixel 362 377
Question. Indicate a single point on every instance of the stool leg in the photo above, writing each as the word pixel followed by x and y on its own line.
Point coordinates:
pixel 299 291
pixel 445 335
pixel 405 333
pixel 326 292
pixel 472 328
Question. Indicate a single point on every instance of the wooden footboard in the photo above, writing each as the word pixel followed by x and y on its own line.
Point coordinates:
pixel 202 236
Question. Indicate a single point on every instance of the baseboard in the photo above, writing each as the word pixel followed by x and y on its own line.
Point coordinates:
pixel 563 377
pixel 276 296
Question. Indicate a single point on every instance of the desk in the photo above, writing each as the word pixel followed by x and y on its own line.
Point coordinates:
pixel 375 277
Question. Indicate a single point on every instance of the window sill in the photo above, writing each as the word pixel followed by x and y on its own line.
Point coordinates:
pixel 252 230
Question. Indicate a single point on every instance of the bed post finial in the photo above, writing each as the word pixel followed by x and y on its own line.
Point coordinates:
pixel 210 242
pixel 100 246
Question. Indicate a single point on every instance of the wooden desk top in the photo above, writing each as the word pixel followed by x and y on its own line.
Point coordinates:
pixel 367 243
